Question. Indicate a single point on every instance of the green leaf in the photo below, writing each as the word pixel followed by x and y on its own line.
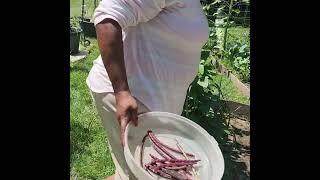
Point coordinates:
pixel 205 54
pixel 238 58
pixel 201 69
pixel 242 48
pixel 215 14
pixel 221 8
pixel 226 131
pixel 237 11
pixel 225 18
pixel 215 2
pixel 208 61
pixel 204 83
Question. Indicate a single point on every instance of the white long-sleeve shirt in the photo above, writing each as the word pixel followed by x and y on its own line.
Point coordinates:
pixel 162 41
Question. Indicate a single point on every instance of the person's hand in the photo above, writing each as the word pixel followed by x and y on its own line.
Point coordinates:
pixel 127 110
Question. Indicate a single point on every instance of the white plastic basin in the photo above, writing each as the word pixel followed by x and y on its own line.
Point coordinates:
pixel 168 127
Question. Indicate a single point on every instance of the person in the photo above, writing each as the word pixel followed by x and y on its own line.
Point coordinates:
pixel 150 52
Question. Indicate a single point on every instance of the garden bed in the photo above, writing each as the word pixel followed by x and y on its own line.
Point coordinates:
pixel 242 87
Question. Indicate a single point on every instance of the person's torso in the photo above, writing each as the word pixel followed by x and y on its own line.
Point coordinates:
pixel 162 55
pixel 167 44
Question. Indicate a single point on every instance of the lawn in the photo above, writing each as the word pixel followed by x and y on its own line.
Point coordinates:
pixel 89 154
pixel 230 92
pixel 238 33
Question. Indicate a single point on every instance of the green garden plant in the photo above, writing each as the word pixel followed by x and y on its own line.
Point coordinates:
pixel 229 45
pixel 237 58
pixel 75 25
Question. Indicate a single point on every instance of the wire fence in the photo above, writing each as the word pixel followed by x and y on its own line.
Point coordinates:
pixel 238 28
pixel 88 8
pixel 229 22
pixel 238 16
pixel 241 17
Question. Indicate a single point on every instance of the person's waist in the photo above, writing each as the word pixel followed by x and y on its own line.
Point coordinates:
pixel 184 61
pixel 178 75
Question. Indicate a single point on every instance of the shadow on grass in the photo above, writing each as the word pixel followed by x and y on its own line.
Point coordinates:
pixel 80 138
pixel 210 112
pixel 79 68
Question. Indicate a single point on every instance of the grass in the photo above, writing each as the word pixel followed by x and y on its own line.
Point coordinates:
pixel 238 33
pixel 230 92
pixel 89 156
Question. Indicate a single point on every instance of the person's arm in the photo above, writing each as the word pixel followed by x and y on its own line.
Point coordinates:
pixel 110 17
pixel 109 35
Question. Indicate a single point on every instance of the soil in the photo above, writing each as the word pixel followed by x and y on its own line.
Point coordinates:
pixel 242 148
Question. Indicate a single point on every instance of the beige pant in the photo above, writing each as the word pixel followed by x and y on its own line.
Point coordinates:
pixel 106 106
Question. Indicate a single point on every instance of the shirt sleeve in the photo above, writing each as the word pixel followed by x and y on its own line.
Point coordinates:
pixel 129 12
